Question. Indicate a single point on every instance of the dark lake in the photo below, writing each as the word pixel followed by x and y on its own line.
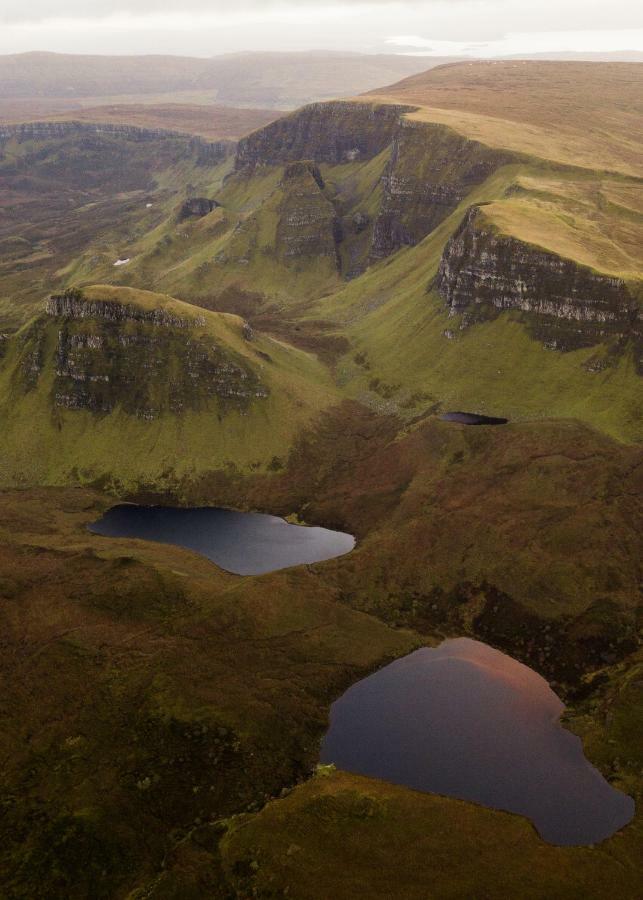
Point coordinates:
pixel 465 418
pixel 242 543
pixel 467 721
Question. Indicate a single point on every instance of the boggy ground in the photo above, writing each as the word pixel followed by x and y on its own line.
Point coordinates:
pixel 149 697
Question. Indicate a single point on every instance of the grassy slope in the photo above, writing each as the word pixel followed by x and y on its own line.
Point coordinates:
pixel 577 218
pixel 71 212
pixel 586 216
pixel 398 324
pixel 589 217
pixel 578 114
pixel 133 450
pixel 233 246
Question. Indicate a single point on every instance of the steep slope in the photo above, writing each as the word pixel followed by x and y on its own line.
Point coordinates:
pixel 116 384
pixel 474 256
pixel 572 235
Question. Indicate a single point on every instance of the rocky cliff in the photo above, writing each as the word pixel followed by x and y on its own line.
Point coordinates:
pixel 110 355
pixel 332 133
pixel 206 152
pixel 308 224
pixel 432 169
pixel 72 305
pixel 482 271
pixel 196 207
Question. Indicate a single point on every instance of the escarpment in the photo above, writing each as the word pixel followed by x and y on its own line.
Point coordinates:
pixel 206 152
pixel 432 169
pixel 72 305
pixel 482 270
pixel 102 355
pixel 332 133
pixel 308 224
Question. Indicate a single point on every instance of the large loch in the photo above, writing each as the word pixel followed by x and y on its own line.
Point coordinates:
pixel 467 721
pixel 240 542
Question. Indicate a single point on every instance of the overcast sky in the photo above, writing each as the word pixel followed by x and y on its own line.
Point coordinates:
pixel 431 27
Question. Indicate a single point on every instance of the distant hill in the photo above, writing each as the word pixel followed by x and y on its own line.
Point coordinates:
pixel 274 80
pixel 214 122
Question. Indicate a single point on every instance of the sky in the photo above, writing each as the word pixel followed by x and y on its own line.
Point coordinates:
pixel 480 28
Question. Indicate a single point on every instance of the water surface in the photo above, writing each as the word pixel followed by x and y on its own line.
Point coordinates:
pixel 242 543
pixel 467 721
pixel 465 418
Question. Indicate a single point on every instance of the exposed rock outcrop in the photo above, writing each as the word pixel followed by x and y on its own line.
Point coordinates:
pixel 207 152
pixel 196 207
pixel 482 271
pixel 74 306
pixel 431 170
pixel 147 372
pixel 144 362
pixel 43 131
pixel 308 224
pixel 331 133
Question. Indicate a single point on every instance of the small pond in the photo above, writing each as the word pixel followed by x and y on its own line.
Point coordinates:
pixel 467 721
pixel 242 543
pixel 465 418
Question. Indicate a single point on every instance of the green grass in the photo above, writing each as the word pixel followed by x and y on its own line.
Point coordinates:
pixel 78 444
pixel 396 325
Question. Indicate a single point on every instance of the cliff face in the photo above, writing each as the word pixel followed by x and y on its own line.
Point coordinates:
pixel 573 306
pixel 330 133
pixel 145 362
pixel 206 152
pixel 431 171
pixel 69 306
pixel 308 224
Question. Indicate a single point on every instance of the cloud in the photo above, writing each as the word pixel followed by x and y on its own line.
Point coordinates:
pixel 48 10
pixel 427 27
pixel 524 43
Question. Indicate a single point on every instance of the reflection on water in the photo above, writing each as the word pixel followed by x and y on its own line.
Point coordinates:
pixel 243 543
pixel 467 721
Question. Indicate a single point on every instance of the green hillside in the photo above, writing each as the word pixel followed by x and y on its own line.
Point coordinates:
pixel 269 392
